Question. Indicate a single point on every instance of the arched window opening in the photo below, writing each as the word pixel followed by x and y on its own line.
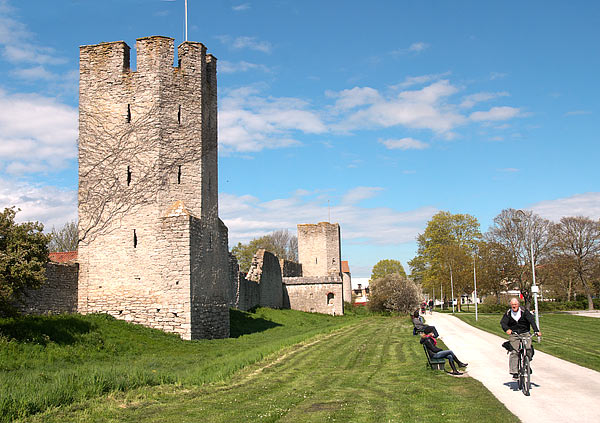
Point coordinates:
pixel 330 297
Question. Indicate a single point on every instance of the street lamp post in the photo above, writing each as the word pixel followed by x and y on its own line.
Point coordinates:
pixel 475 285
pixel 452 288
pixel 534 287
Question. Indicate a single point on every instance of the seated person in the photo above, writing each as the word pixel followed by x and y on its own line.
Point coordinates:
pixel 430 343
pixel 422 327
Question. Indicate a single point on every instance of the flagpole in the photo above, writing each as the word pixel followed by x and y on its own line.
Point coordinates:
pixel 186 25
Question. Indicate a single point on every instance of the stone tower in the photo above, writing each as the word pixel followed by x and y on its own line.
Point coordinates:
pixel 319 249
pixel 153 249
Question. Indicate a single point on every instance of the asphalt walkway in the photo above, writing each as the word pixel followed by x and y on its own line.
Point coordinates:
pixel 561 391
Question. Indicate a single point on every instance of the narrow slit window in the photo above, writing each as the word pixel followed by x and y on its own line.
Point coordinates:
pixel 134 239
pixel 179 115
pixel 128 175
pixel 129 113
pixel 315 260
pixel 178 174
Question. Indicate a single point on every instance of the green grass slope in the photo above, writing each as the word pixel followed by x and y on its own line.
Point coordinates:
pixel 372 370
pixel 48 361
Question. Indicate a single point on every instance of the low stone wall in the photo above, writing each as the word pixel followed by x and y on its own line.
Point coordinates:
pixel 57 295
pixel 314 294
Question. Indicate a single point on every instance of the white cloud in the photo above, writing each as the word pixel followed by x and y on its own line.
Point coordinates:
pixel 509 170
pixel 404 144
pixel 497 75
pixel 472 99
pixel 49 205
pixel 355 97
pixel 495 114
pixel 426 108
pixel 248 217
pixel 241 7
pixel 17 43
pixel 231 67
pixel 248 122
pixel 358 194
pixel 420 46
pixel 409 81
pixel 578 112
pixel 36 133
pixel 35 73
pixel 587 204
pixel 244 42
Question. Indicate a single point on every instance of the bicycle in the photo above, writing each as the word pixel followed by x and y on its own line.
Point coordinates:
pixel 524 364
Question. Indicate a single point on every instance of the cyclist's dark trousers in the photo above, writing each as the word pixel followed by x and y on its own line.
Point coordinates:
pixel 514 357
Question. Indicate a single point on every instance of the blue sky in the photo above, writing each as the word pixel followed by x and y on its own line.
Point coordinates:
pixel 378 113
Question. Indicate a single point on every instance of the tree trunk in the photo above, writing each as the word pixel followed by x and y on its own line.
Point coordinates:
pixel 590 302
pixel 570 287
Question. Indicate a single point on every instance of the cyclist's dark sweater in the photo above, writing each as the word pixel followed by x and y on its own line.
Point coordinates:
pixel 522 326
pixel 430 345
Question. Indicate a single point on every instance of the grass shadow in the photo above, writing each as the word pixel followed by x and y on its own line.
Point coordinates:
pixel 62 329
pixel 245 323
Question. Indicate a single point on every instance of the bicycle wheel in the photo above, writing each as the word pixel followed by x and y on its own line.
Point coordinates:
pixel 526 375
pixel 520 380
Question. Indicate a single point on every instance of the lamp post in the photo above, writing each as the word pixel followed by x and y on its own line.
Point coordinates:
pixel 475 284
pixel 452 287
pixel 534 287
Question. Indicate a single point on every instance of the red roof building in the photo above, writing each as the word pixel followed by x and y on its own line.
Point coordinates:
pixel 63 257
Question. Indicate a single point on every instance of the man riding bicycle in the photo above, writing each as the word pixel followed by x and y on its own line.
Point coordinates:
pixel 516 321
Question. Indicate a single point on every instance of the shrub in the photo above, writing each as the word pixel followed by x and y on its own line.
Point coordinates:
pixel 394 292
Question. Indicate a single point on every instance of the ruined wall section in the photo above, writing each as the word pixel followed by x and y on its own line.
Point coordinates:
pixel 319 249
pixel 314 294
pixel 266 271
pixel 290 269
pixel 57 295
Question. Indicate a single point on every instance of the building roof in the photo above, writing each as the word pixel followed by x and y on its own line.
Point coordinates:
pixel 63 257
pixel 345 267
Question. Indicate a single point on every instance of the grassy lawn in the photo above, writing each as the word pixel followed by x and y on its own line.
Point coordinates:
pixel 572 338
pixel 50 361
pixel 370 370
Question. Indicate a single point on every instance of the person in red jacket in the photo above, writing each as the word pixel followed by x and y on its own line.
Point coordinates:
pixel 434 351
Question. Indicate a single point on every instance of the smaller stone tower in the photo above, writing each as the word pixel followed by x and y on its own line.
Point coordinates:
pixel 319 249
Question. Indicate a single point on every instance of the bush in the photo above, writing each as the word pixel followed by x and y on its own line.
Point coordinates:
pixel 394 292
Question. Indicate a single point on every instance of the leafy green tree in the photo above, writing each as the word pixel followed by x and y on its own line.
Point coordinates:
pixel 394 292
pixel 65 238
pixel 23 257
pixel 281 243
pixel 387 267
pixel 445 251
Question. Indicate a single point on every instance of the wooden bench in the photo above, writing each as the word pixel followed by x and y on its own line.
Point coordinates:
pixel 435 363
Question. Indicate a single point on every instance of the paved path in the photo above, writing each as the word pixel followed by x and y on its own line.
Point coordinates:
pixel 560 391
pixel 587 313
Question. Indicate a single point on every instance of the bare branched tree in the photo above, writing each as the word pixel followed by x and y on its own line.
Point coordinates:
pixel 516 231
pixel 578 239
pixel 65 238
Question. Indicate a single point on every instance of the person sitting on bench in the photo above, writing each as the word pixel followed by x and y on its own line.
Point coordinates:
pixel 430 343
pixel 422 327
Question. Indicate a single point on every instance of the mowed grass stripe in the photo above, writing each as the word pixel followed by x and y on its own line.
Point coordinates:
pixel 371 371
pixel 572 338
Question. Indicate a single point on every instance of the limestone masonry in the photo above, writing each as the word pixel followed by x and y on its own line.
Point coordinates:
pixel 153 249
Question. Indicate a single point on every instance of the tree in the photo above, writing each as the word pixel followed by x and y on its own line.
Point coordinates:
pixel 578 238
pixel 394 292
pixel 23 257
pixel 65 238
pixel 387 267
pixel 516 232
pixel 281 243
pixel 445 252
